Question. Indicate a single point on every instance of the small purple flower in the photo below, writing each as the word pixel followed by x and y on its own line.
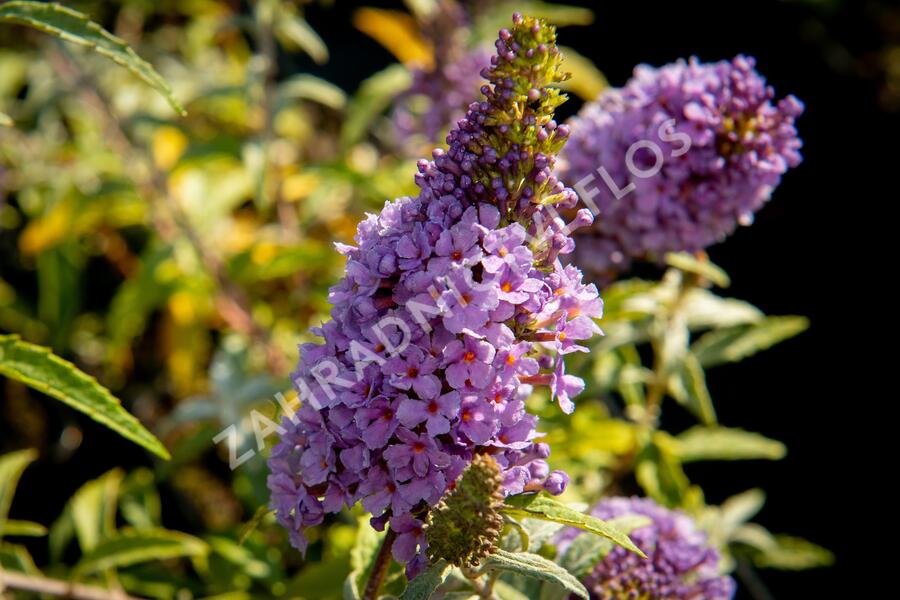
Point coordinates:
pixel 469 363
pixel 436 412
pixel 415 370
pixel 420 451
pixel 378 422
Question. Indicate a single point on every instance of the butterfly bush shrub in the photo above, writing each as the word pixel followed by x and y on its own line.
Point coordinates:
pixel 454 304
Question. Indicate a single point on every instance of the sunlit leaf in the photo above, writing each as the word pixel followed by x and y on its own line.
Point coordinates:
pixel 295 32
pixel 535 567
pixel 11 467
pixel 688 387
pixel 14 557
pixel 397 32
pixel 791 553
pixel 309 87
pixel 541 506
pixel 702 267
pixel 362 558
pixel 722 443
pixel 22 528
pixel 424 585
pixel 129 547
pixel 73 26
pixel 737 343
pixel 38 368
pixel 585 551
pixel 5 120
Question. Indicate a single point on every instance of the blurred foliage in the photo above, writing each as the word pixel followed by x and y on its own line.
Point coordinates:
pixel 180 259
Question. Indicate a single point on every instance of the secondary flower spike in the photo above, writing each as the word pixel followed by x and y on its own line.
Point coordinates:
pixel 712 145
pixel 681 565
pixel 453 306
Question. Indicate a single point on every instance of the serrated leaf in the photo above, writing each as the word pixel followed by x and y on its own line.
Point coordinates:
pixel 536 567
pixel 585 551
pixel 424 585
pixel 737 343
pixel 77 28
pixel 689 263
pixel 5 120
pixel 38 368
pixel 11 467
pixel 722 443
pixel 587 81
pixel 373 96
pixel 22 528
pixel 543 507
pixel 688 388
pixel 130 547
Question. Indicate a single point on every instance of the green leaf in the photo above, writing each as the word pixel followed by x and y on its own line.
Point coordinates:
pixel 309 87
pixel 792 554
pixel 11 467
pixel 722 443
pixel 130 547
pixel 536 567
pixel 688 388
pixel 14 557
pixel 295 32
pixel 255 521
pixel 704 310
pixel 73 26
pixel 424 585
pixel 239 556
pixel 737 343
pixel 585 551
pixel 373 96
pixel 22 528
pixel 543 507
pixel 362 557
pixel 689 263
pixel 659 471
pixel 38 368
pixel 5 120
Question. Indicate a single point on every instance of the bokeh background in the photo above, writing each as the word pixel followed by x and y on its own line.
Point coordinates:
pixel 73 282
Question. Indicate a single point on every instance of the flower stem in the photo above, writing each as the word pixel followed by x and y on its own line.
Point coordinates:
pixel 380 568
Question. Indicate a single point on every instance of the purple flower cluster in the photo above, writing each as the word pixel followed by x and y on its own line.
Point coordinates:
pixel 720 145
pixel 681 564
pixel 453 306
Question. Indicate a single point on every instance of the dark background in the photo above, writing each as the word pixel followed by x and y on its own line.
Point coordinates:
pixel 810 252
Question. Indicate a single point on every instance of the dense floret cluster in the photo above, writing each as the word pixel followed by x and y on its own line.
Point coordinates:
pixel 721 147
pixel 681 565
pixel 453 306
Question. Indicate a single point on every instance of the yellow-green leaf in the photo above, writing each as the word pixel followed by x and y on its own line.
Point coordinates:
pixel 38 368
pixel 130 547
pixel 77 28
pixel 22 528
pixel 11 467
pixel 736 343
pixel 722 443
pixel 397 32
pixel 545 508
pixel 536 567
pixel 5 120
pixel 697 266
